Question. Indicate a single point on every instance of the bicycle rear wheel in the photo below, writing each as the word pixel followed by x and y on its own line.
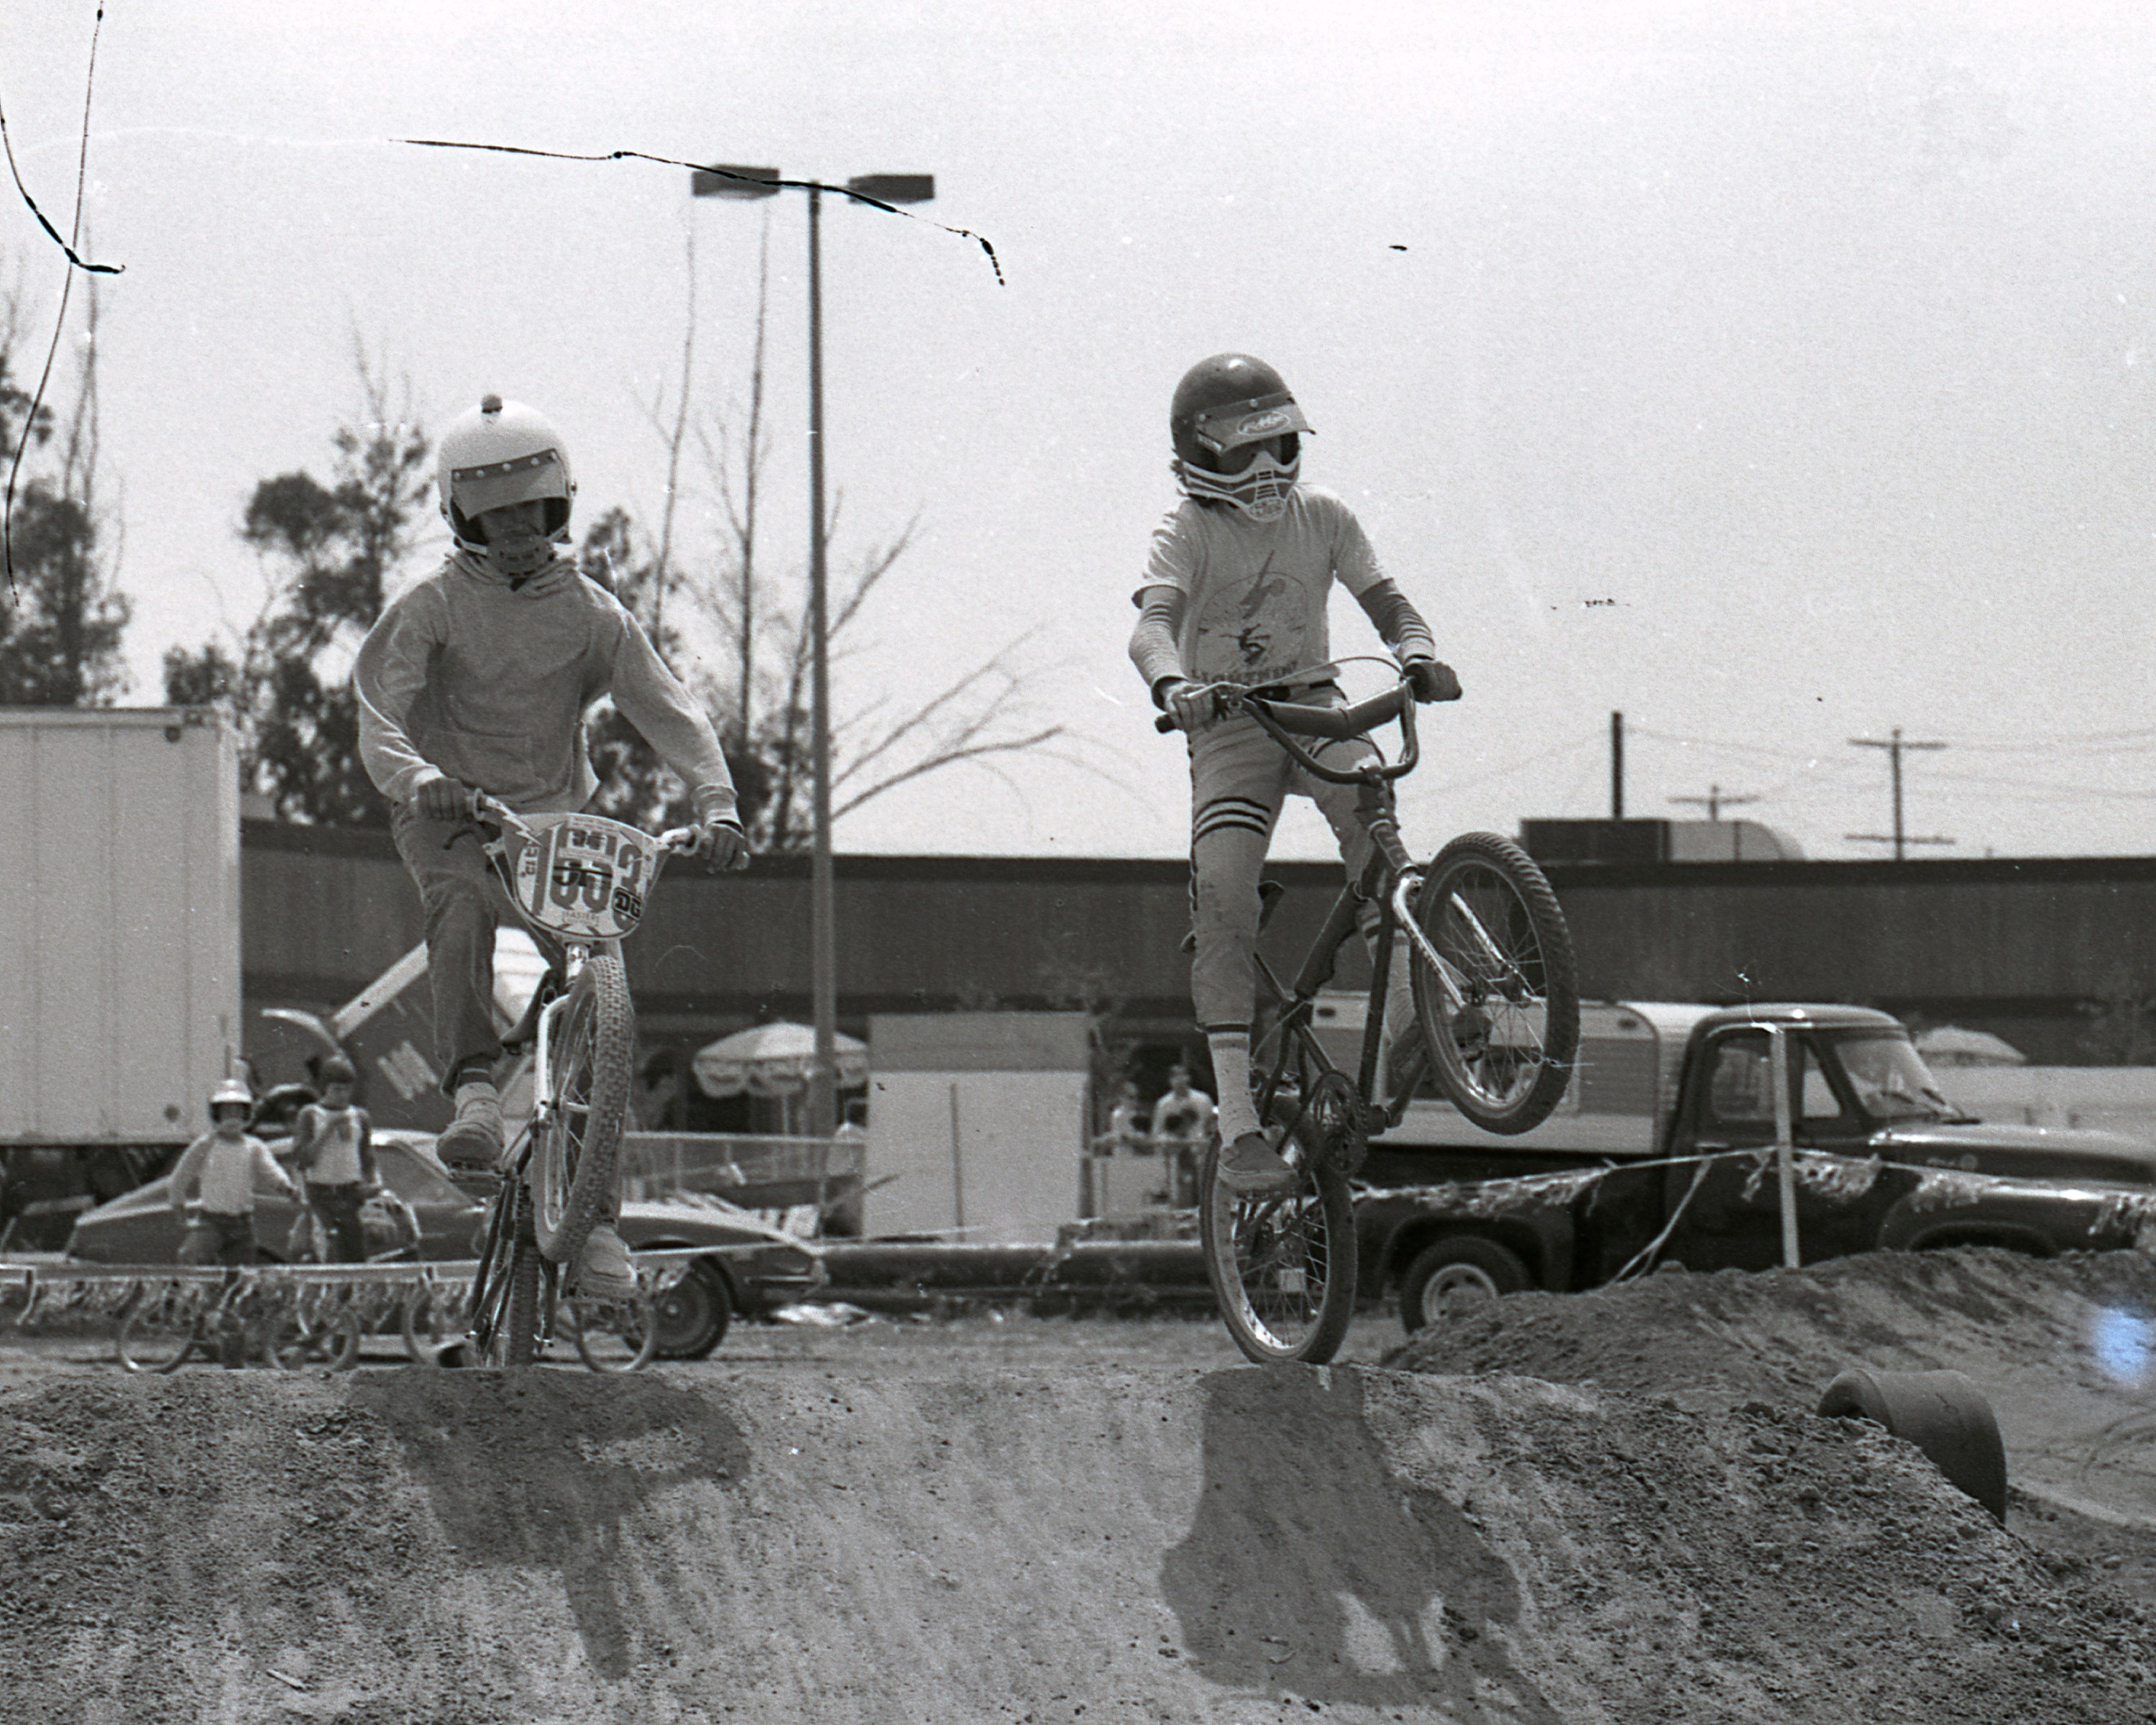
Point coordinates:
pixel 1500 1016
pixel 332 1343
pixel 510 1299
pixel 1283 1267
pixel 572 1163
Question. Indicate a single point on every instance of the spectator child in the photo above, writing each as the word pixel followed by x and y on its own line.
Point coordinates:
pixel 214 1183
pixel 333 1149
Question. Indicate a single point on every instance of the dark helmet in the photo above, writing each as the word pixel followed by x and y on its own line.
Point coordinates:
pixel 336 1069
pixel 1231 402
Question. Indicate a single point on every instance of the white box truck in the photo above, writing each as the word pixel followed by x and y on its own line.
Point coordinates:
pixel 119 938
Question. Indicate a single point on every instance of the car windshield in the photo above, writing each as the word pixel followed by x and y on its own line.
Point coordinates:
pixel 1890 1080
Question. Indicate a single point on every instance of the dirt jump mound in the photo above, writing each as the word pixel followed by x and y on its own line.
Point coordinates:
pixel 1232 1547
pixel 2063 1349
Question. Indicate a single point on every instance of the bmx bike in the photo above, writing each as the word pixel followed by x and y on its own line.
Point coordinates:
pixel 1496 1001
pixel 580 884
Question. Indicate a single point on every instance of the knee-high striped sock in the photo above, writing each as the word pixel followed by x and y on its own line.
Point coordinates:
pixel 1231 1073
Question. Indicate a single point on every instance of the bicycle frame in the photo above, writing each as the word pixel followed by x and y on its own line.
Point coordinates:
pixel 1392 879
pixel 1389 878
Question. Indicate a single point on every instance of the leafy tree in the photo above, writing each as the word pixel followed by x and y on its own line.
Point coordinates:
pixel 330 550
pixel 61 617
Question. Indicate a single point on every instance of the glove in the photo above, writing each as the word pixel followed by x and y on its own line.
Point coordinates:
pixel 1190 705
pixel 1431 679
pixel 443 799
pixel 723 846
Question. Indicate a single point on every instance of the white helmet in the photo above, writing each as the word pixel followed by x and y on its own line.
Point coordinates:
pixel 230 1091
pixel 500 453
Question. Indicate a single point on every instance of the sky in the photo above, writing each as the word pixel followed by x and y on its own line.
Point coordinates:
pixel 1777 376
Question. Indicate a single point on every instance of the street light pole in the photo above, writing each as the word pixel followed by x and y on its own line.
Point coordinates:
pixel 822 939
pixel 823 917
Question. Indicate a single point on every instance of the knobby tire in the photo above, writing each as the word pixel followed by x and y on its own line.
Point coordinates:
pixel 573 1165
pixel 1263 1254
pixel 1505 1058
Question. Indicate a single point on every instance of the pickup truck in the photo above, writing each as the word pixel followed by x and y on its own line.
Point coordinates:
pixel 1664 1150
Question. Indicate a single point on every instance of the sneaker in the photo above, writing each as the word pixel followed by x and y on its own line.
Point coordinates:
pixel 472 1140
pixel 603 1272
pixel 1250 1168
pixel 1400 1061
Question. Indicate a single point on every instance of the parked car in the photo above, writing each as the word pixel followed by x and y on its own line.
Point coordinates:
pixel 749 1264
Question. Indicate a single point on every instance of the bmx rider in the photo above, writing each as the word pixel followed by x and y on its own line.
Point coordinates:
pixel 1235 593
pixel 479 677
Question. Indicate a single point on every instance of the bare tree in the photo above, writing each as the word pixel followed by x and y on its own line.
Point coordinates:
pixel 763 711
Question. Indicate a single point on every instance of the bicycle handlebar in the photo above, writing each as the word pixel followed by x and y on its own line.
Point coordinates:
pixel 1284 721
pixel 480 807
pixel 1327 722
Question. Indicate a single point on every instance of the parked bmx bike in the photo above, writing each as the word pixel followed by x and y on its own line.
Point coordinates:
pixel 1496 1001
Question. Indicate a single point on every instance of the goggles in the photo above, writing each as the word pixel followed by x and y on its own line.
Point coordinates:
pixel 1219 430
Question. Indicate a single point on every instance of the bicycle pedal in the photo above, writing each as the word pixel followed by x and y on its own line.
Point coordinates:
pixel 481 1184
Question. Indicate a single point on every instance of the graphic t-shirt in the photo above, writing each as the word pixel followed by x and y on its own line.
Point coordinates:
pixel 1257 590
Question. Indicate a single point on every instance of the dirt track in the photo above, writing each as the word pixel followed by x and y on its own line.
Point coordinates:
pixel 894 1528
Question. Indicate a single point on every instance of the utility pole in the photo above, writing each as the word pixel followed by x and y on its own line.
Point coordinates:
pixel 1715 800
pixel 1616 766
pixel 1894 745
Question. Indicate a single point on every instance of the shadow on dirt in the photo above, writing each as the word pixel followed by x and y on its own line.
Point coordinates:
pixel 1311 1568
pixel 541 1469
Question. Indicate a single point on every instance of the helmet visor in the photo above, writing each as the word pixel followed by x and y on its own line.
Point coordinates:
pixel 476 489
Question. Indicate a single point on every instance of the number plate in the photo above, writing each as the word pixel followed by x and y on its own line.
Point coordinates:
pixel 583 877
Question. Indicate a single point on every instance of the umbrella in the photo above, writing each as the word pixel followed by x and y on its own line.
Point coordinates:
pixel 1950 1045
pixel 774 1059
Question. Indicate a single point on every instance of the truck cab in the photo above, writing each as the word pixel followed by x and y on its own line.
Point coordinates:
pixel 1663 1150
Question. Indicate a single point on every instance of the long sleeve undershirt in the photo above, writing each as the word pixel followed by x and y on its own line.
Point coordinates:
pixel 1160 610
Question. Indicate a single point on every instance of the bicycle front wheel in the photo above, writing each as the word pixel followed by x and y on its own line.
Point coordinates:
pixel 1282 1267
pixel 1500 1010
pixel 513 1338
pixel 572 1163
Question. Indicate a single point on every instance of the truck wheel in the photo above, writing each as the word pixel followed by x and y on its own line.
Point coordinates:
pixel 1455 1276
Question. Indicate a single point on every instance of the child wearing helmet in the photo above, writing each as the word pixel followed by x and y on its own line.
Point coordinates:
pixel 333 1149
pixel 479 677
pixel 213 1185
pixel 1235 592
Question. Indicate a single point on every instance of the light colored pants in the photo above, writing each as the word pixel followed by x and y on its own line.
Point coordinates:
pixel 1239 778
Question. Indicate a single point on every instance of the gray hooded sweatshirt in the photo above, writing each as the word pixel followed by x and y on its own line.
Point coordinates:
pixel 469 677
